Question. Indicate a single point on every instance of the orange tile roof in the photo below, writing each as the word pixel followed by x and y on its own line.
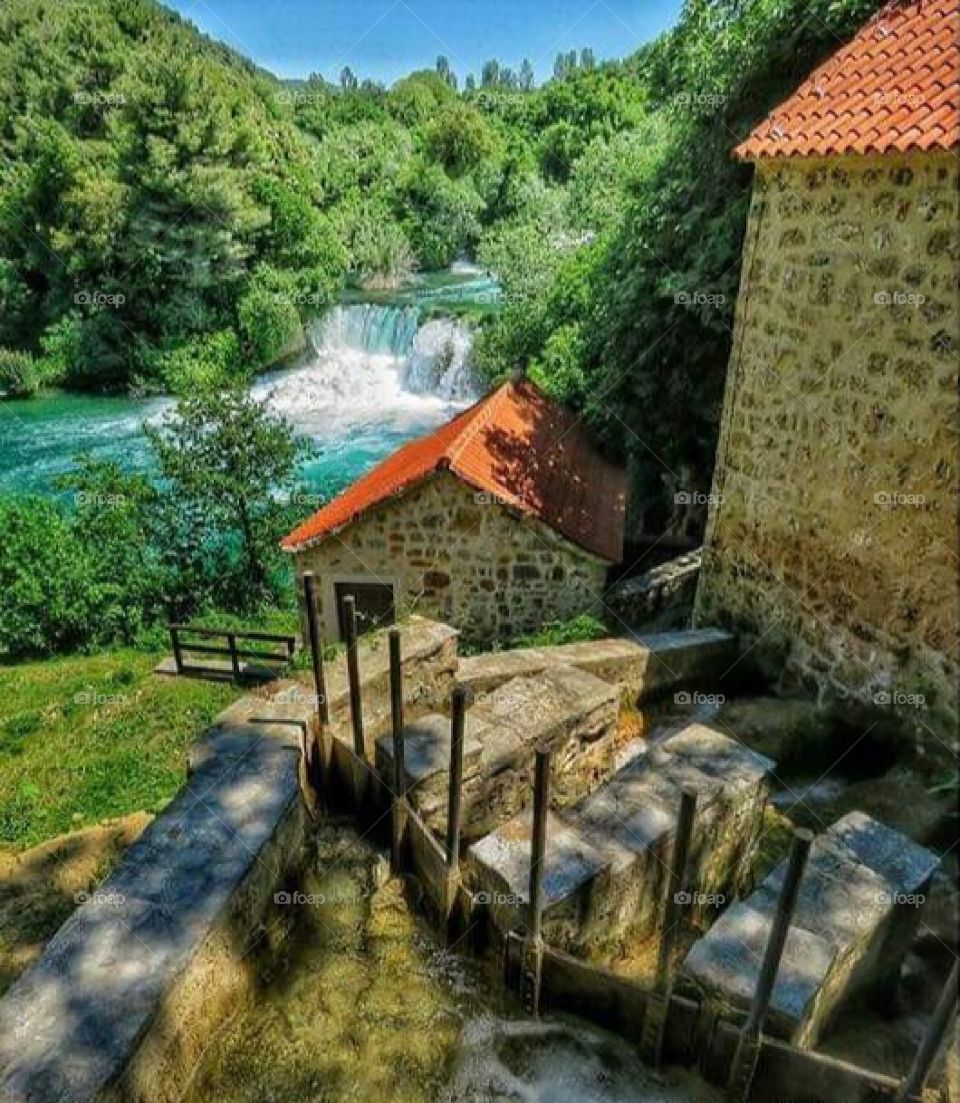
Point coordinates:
pixel 894 87
pixel 518 446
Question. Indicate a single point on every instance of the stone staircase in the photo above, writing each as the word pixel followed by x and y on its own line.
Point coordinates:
pixel 608 853
pixel 564 708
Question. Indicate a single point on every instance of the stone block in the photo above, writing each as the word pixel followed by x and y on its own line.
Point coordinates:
pixel 626 829
pixel 858 905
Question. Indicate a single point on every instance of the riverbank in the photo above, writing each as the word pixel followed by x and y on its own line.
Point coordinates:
pixel 373 374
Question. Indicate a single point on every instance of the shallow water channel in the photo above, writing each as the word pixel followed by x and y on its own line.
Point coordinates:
pixel 363 1005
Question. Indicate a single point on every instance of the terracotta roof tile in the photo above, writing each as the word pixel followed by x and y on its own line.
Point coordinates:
pixel 894 86
pixel 518 446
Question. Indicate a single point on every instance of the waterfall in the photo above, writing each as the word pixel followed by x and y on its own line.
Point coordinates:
pixel 372 366
pixel 439 361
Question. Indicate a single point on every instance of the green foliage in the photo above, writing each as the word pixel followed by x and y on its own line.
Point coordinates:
pixel 19 375
pixel 575 630
pixel 226 459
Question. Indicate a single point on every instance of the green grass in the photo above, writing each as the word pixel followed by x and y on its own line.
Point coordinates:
pixel 85 738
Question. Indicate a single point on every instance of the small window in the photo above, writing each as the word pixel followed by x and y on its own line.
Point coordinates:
pixel 375 606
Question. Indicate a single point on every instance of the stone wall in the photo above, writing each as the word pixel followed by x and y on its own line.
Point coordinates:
pixel 832 536
pixel 461 556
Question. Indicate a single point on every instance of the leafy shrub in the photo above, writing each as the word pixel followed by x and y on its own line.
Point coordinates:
pixel 575 630
pixel 19 376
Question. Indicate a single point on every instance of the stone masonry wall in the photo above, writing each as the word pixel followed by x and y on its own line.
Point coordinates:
pixel 833 535
pixel 460 556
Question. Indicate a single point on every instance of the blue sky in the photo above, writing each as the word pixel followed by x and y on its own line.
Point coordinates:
pixel 385 39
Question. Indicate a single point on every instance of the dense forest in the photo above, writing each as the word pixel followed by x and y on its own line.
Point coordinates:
pixel 170 215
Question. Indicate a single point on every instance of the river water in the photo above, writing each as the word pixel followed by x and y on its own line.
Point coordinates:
pixel 362 1006
pixel 374 375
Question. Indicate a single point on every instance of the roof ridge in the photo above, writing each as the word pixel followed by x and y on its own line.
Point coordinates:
pixel 482 418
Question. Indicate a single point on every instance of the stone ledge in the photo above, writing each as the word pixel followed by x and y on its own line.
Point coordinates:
pixel 642 666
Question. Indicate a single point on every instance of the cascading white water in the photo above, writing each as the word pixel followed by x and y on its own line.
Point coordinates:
pixel 375 364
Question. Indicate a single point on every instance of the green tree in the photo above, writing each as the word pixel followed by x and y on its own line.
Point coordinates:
pixel 227 456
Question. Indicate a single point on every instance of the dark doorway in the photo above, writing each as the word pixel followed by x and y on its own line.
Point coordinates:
pixel 375 606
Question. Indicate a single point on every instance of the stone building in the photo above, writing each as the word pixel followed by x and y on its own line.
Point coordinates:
pixel 831 544
pixel 504 518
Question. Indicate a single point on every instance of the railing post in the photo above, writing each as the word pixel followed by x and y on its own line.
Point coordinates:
pixel 319 684
pixel 675 898
pixel 353 674
pixel 234 657
pixel 316 645
pixel 399 815
pixel 177 653
pixel 458 711
pixel 745 1059
pixel 533 953
pixel 937 1029
pixel 356 704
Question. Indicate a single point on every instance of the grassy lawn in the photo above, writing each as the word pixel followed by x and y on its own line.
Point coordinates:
pixel 86 738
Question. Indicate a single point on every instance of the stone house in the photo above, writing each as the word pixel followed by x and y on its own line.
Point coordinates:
pixel 831 541
pixel 502 519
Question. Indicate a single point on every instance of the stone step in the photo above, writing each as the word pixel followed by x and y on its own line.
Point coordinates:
pixel 608 853
pixel 641 666
pixel 565 709
pixel 858 904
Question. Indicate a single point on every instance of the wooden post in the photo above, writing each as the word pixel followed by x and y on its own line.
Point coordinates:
pixel 319 682
pixel 316 645
pixel 748 1048
pixel 353 674
pixel 399 814
pixel 177 653
pixel 356 704
pixel 458 712
pixel 533 956
pixel 675 899
pixel 929 1048
pixel 234 657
